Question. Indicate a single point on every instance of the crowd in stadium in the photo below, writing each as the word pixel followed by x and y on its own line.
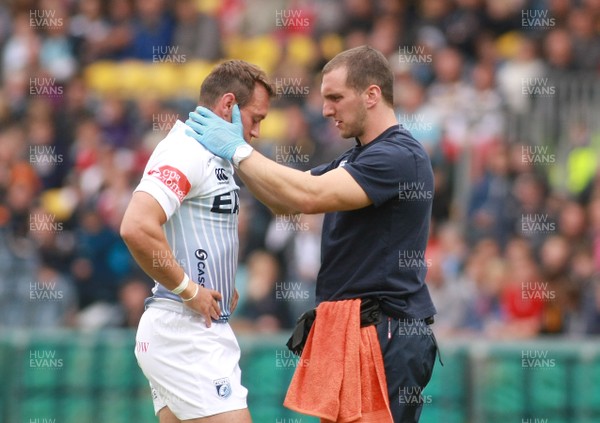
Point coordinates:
pixel 513 253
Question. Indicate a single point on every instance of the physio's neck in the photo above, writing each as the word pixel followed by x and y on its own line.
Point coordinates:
pixel 377 122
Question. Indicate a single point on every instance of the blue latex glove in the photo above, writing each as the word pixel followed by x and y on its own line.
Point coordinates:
pixel 220 137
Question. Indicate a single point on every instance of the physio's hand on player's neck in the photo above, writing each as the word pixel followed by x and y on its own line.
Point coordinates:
pixel 220 137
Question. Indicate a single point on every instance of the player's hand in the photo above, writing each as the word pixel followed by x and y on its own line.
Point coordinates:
pixel 220 137
pixel 234 300
pixel 206 304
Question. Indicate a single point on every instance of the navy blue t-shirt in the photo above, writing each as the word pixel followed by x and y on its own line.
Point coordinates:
pixel 379 250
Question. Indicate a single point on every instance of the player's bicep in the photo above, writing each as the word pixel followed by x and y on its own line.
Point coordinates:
pixel 338 191
pixel 143 207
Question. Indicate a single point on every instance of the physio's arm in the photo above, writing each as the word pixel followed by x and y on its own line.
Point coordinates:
pixel 287 191
pixel 141 229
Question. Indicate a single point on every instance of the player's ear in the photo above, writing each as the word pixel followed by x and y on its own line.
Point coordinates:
pixel 225 106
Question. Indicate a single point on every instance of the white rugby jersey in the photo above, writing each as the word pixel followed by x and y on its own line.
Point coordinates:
pixel 196 190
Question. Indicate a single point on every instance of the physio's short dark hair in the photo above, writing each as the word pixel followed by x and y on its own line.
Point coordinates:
pixel 365 66
pixel 233 76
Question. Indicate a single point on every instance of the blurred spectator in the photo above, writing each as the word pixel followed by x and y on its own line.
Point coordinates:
pixel 450 97
pixel 485 109
pixel 132 295
pixel 586 40
pixel 489 208
pixel 532 218
pixel 450 297
pixel 101 261
pixel 420 118
pixel 115 125
pixel 262 309
pixel 90 30
pixel 57 52
pixel 22 47
pixel 465 24
pixel 558 49
pixel 120 35
pixel 517 72
pixel 152 31
pixel 297 239
pixel 196 34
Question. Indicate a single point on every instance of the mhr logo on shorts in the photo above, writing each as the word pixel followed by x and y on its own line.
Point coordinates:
pixel 173 179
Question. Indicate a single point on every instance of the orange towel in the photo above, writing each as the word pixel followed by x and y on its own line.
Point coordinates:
pixel 340 376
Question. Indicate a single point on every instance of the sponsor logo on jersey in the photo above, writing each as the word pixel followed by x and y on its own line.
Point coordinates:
pixel 221 174
pixel 228 203
pixel 173 179
pixel 201 255
pixel 223 387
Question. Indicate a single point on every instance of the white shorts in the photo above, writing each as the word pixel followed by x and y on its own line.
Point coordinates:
pixel 192 369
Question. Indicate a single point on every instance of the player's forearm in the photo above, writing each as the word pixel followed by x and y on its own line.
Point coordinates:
pixel 155 257
pixel 149 247
pixel 283 189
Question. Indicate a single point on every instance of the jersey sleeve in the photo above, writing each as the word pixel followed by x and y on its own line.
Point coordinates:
pixel 382 170
pixel 171 174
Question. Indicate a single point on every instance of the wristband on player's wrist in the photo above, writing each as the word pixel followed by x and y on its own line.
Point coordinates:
pixel 193 296
pixel 182 286
pixel 242 152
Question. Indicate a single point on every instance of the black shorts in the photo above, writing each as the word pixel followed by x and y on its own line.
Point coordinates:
pixel 409 350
